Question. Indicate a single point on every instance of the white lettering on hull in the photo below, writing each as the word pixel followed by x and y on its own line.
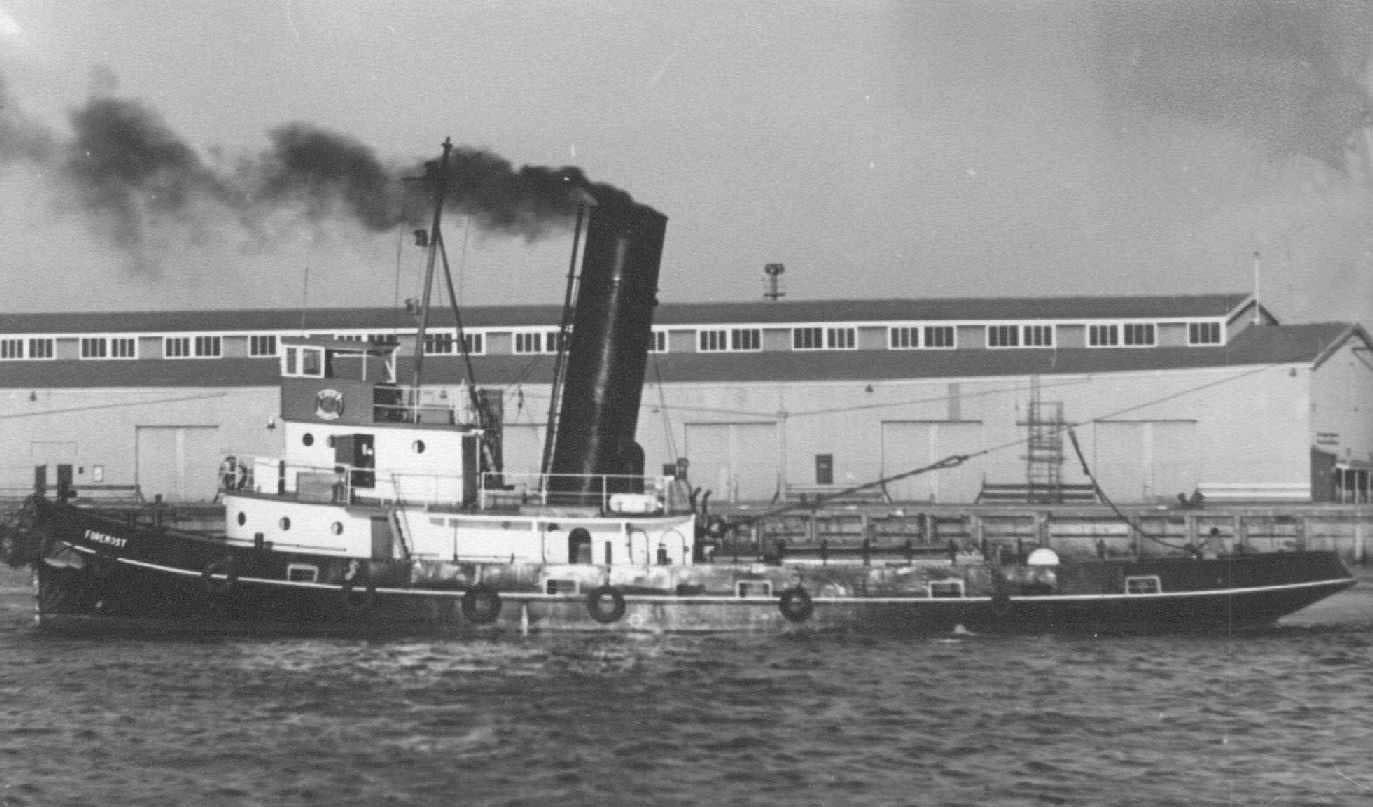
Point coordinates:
pixel 107 540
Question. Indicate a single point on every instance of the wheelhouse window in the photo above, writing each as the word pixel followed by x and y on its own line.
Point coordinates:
pixel 298 361
pixel 807 338
pixel 208 347
pixel 904 337
pixel 1103 335
pixel 176 347
pixel 1203 333
pixel 11 348
pixel 1037 335
pixel 1003 336
pixel 262 344
pixel 1140 334
pixel 939 336
pixel 42 347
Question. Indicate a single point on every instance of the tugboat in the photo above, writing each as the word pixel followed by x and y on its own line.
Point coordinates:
pixel 388 514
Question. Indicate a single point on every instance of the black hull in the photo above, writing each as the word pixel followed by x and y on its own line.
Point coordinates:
pixel 108 595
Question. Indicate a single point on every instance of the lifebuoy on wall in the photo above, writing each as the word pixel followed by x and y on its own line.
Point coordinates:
pixel 796 604
pixel 481 604
pixel 605 604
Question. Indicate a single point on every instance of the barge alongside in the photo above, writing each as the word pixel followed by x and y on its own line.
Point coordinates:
pixel 388 514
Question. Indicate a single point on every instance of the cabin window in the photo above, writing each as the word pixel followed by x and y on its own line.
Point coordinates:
pixel 745 589
pixel 307 439
pixel 1143 584
pixel 939 336
pixel 906 337
pixel 242 518
pixel 1203 333
pixel 284 523
pixel 552 586
pixel 302 572
pixel 418 446
pixel 945 589
pixel 336 528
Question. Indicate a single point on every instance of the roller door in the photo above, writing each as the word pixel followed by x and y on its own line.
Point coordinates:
pixel 1145 460
pixel 735 461
pixel 181 463
pixel 907 445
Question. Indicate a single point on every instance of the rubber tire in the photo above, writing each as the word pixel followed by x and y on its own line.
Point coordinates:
pixel 481 605
pixel 595 604
pixel 796 604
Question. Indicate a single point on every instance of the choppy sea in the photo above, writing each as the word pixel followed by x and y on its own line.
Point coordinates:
pixel 1281 717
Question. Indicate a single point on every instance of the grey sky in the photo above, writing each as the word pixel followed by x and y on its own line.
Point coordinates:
pixel 902 149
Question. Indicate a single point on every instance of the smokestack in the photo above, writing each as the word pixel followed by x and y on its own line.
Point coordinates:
pixel 609 352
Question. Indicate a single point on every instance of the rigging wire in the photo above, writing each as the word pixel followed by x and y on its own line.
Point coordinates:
pixel 1096 486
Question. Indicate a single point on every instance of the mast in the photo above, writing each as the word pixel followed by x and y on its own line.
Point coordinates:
pixel 559 366
pixel 440 188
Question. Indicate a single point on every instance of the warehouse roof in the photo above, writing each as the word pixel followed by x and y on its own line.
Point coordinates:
pixel 1261 345
pixel 1160 307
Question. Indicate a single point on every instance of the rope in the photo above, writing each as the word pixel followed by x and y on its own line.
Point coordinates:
pixel 1096 486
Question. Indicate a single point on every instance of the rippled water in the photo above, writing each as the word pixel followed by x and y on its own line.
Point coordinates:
pixel 1278 718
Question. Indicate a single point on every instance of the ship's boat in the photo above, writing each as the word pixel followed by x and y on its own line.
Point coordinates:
pixel 387 513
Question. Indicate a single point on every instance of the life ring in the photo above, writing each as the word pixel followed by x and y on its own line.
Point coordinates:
pixel 232 473
pixel 356 600
pixel 606 604
pixel 481 604
pixel 796 604
pixel 214 586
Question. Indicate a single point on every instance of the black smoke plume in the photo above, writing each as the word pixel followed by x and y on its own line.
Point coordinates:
pixel 129 169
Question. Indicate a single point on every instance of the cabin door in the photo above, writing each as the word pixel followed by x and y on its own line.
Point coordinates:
pixel 355 451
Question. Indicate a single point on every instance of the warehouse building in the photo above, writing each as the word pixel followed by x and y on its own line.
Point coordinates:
pixel 763 401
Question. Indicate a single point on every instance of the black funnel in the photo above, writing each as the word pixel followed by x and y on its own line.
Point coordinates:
pixel 608 352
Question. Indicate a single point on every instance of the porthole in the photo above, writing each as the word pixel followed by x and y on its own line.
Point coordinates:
pixel 336 528
pixel 418 446
pixel 242 519
pixel 284 523
pixel 308 439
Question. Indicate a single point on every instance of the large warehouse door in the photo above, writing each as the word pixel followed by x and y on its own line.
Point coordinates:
pixel 911 444
pixel 179 462
pixel 1145 460
pixel 522 448
pixel 735 461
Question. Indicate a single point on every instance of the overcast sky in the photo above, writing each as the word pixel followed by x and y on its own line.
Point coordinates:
pixel 876 149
